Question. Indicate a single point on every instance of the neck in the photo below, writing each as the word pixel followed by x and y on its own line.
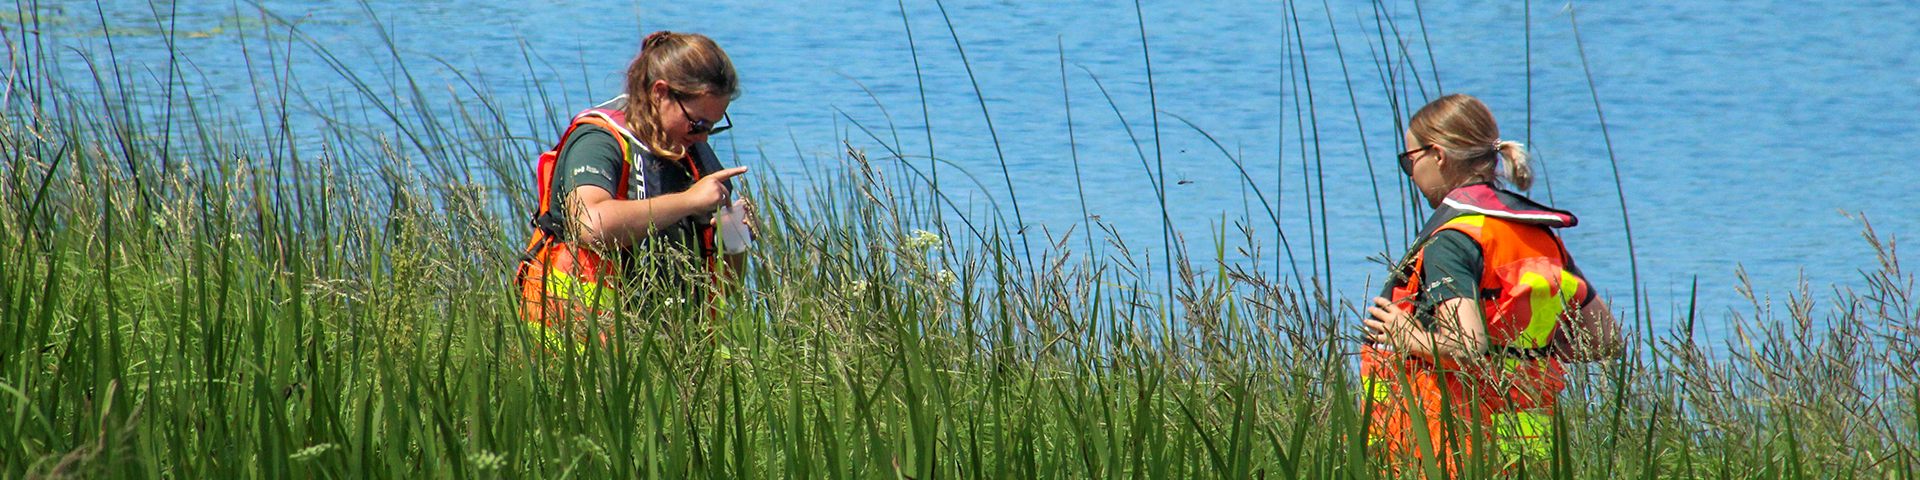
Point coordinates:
pixel 1435 198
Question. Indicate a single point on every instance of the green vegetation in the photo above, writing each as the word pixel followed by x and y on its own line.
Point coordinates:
pixel 193 299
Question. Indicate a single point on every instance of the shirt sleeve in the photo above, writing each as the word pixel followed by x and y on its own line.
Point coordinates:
pixel 589 156
pixel 1451 266
pixel 1575 270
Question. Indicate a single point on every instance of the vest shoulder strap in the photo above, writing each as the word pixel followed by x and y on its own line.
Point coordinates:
pixel 620 135
pixel 1473 224
pixel 543 220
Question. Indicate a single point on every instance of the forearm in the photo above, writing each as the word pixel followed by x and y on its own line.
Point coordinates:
pixel 1594 335
pixel 618 223
pixel 1445 347
pixel 1459 335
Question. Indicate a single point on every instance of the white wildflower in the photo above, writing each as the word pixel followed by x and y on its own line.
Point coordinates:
pixel 946 277
pixel 857 288
pixel 923 240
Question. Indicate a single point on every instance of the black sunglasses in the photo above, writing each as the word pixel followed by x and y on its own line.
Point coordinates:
pixel 697 127
pixel 1406 159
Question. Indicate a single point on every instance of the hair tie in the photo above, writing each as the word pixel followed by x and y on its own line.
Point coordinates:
pixel 655 39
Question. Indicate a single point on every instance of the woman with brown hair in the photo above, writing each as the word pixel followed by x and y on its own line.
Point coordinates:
pixel 1466 344
pixel 631 191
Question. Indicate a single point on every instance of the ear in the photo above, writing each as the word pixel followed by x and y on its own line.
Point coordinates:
pixel 1439 156
pixel 659 91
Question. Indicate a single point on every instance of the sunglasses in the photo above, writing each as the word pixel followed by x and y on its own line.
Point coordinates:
pixel 697 127
pixel 1406 159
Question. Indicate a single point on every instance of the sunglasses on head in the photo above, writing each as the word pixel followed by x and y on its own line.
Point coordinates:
pixel 697 127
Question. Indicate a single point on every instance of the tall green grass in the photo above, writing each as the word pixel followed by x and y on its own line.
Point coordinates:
pixel 193 299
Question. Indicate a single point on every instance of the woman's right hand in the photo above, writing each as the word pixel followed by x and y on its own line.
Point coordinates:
pixel 709 194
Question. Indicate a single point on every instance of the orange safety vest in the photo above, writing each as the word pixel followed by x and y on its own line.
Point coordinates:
pixel 559 280
pixel 1526 291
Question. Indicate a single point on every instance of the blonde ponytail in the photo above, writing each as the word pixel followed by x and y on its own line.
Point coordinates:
pixel 1517 169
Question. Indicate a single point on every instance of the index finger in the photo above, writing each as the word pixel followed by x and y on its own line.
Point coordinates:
pixel 723 175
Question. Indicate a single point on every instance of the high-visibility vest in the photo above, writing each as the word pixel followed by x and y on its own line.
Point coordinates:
pixel 1526 291
pixel 559 279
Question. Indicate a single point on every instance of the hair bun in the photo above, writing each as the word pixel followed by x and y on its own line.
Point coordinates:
pixel 1518 169
pixel 655 39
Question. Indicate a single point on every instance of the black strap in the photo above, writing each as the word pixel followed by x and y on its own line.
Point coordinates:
pixel 548 222
pixel 545 241
pixel 1508 351
pixel 548 226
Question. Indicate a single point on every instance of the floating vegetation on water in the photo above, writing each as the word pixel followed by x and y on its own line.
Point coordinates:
pixel 44 16
pixel 184 25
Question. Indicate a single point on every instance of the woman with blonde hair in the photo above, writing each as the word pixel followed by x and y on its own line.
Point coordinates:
pixel 1466 344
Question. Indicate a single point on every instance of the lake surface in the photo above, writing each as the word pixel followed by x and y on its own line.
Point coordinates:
pixel 1745 133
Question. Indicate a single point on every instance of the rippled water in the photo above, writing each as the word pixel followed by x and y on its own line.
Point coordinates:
pixel 1745 132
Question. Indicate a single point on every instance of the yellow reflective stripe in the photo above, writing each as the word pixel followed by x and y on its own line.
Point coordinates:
pixel 597 298
pixel 1543 300
pixel 562 286
pixel 1475 221
pixel 1377 389
pixel 1523 433
pixel 554 341
pixel 1569 286
pixel 1547 302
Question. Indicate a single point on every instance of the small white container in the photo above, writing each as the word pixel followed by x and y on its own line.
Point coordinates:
pixel 732 220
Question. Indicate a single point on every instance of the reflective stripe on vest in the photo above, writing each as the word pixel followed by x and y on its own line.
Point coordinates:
pixel 1526 291
pixel 557 277
pixel 1523 433
pixel 565 286
pixel 1527 265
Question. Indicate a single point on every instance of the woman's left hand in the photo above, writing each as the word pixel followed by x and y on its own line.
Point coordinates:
pixel 751 215
pixel 1387 324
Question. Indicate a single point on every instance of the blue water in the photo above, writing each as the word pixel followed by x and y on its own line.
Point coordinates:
pixel 1745 133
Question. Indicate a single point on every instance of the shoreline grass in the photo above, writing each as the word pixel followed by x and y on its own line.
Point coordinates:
pixel 183 300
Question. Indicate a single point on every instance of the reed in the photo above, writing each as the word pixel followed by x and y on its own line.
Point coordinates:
pixel 193 299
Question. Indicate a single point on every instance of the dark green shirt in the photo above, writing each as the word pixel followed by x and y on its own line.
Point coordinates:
pixel 1450 268
pixel 590 156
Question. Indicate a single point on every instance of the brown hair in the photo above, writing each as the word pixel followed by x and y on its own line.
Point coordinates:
pixel 691 64
pixel 1464 127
